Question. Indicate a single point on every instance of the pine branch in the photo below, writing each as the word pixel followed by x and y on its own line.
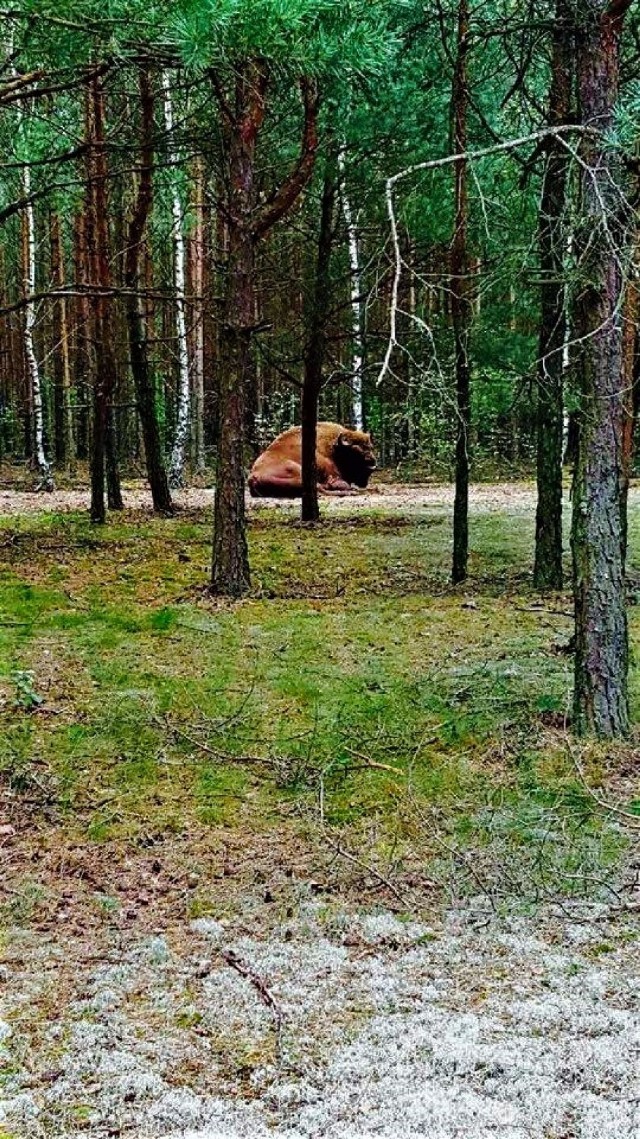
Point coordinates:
pixel 289 190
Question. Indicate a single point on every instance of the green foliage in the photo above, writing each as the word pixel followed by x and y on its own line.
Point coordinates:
pixel 26 696
pixel 325 37
pixel 385 76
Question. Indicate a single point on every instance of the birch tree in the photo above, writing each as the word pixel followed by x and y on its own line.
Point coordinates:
pixel 29 269
pixel 355 287
pixel 176 467
pixel 29 285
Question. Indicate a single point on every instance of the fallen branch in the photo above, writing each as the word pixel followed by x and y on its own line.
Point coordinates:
pixel 373 763
pixel 458 856
pixel 267 997
pixel 364 866
pixel 222 756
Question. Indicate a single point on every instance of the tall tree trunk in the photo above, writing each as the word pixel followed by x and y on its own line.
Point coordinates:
pixel 315 351
pixel 198 247
pixel 65 435
pixel 176 469
pixel 230 570
pixel 33 370
pixel 98 265
pixel 600 696
pixel 355 288
pixel 246 225
pixel 114 493
pixel 460 306
pixel 82 360
pixel 547 573
pixel 55 353
pixel 630 374
pixel 135 309
pixel 411 382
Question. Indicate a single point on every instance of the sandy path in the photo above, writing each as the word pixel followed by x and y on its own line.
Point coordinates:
pixel 483 497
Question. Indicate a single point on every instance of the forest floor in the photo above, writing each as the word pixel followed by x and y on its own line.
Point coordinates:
pixel 323 862
pixel 392 496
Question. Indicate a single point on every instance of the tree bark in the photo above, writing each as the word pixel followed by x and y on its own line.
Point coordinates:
pixel 315 351
pixel 176 469
pixel 630 370
pixel 82 358
pixel 198 262
pixel 547 572
pixel 135 309
pixel 601 661
pixel 114 494
pixel 65 435
pixel 246 224
pixel 230 573
pixel 461 310
pixel 355 289
pixel 98 264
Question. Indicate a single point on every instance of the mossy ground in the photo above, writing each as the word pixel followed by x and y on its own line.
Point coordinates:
pixel 420 727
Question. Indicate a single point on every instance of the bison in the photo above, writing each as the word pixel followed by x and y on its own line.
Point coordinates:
pixel 344 459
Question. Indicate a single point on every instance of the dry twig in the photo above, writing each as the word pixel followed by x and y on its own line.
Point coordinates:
pixel 267 997
pixel 631 821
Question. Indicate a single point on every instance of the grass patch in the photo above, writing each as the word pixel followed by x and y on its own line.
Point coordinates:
pixel 419 711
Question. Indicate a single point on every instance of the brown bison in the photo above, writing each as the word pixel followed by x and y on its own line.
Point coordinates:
pixel 344 459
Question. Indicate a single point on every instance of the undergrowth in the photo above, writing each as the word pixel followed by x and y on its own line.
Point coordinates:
pixel 354 692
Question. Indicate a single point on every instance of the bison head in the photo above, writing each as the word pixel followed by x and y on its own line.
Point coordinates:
pixel 354 457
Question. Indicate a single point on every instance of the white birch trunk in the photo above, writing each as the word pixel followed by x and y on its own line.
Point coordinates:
pixel 566 350
pixel 44 470
pixel 176 467
pixel 198 311
pixel 356 305
pixel 411 391
pixel 29 284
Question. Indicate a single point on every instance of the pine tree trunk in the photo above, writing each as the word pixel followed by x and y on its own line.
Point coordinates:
pixel 547 573
pixel 460 306
pixel 315 351
pixel 230 571
pixel 55 353
pixel 630 375
pixel 98 264
pixel 230 574
pixel 135 309
pixel 82 359
pixel 246 225
pixel 65 435
pixel 600 696
pixel 114 493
